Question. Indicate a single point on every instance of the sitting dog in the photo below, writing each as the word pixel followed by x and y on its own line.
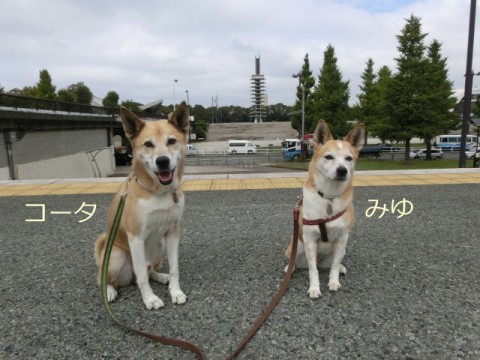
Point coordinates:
pixel 326 216
pixel 153 209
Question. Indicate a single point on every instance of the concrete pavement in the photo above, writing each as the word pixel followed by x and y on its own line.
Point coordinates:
pixel 411 291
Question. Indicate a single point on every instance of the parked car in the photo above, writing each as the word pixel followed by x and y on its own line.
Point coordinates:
pixel 471 153
pixel 241 147
pixel 422 154
pixel 191 150
pixel 388 147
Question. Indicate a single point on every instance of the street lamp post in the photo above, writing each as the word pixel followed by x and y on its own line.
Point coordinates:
pixel 189 122
pixel 300 84
pixel 174 81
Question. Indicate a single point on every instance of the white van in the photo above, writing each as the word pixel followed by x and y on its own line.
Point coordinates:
pixel 241 147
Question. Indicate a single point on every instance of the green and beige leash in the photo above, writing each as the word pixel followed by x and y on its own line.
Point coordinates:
pixel 106 258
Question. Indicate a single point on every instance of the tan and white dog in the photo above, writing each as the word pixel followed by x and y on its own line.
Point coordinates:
pixel 153 209
pixel 327 198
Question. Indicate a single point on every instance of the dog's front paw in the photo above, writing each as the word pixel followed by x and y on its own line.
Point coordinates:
pixel 178 297
pixel 314 292
pixel 153 302
pixel 334 286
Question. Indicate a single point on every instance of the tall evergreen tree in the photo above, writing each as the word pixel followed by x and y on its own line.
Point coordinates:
pixel 308 81
pixel 440 100
pixel 408 89
pixel 381 126
pixel 367 109
pixel 331 95
pixel 44 88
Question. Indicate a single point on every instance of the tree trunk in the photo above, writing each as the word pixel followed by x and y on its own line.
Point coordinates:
pixel 407 150
pixel 429 149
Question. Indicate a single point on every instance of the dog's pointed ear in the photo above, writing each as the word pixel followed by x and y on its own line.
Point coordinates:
pixel 132 124
pixel 356 136
pixel 181 117
pixel 321 134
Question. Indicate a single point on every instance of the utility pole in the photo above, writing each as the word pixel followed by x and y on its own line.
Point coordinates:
pixel 467 98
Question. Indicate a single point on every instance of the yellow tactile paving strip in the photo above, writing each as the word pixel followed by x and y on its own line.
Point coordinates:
pixel 61 188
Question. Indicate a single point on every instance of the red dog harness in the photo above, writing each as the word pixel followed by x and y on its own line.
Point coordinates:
pixel 321 224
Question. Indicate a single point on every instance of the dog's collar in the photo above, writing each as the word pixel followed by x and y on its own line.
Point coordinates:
pixel 322 195
pixel 134 176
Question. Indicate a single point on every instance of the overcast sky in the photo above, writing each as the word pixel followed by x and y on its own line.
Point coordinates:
pixel 138 48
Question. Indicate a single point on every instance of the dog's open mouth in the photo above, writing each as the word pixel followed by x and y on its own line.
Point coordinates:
pixel 165 176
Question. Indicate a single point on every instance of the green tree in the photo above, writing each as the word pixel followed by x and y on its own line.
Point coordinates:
pixel 199 112
pixel 78 93
pixel 111 99
pixel 440 100
pixel 331 95
pixel 66 95
pixel 381 126
pixel 131 105
pixel 476 108
pixel 83 94
pixel 278 112
pixel 306 80
pixel 44 88
pixel 2 89
pixel 201 128
pixel 368 98
pixel 408 88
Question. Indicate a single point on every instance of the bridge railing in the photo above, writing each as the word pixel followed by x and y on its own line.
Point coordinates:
pixel 26 102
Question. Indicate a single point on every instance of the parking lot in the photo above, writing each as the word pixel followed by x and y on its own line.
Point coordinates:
pixel 411 291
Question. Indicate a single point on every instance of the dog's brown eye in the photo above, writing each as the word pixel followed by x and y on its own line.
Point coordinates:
pixel 171 141
pixel 349 158
pixel 149 144
pixel 329 157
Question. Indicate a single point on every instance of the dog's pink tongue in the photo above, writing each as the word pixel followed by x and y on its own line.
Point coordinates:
pixel 165 176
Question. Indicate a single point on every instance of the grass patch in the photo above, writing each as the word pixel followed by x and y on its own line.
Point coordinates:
pixel 366 164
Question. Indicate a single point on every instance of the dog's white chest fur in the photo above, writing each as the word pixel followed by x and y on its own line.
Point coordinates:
pixel 158 215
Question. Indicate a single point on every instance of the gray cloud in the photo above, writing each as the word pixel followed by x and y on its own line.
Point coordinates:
pixel 138 48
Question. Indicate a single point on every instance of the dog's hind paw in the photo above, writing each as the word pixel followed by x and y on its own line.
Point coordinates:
pixel 343 270
pixel 334 286
pixel 111 293
pixel 153 302
pixel 178 297
pixel 314 292
pixel 159 277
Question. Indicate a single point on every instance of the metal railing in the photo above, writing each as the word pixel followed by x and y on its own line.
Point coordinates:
pixel 25 102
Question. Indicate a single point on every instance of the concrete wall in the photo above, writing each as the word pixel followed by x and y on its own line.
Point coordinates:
pixel 99 163
pixel 59 154
pixel 35 146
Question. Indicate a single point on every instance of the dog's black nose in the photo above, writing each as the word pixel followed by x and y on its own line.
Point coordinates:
pixel 163 163
pixel 342 171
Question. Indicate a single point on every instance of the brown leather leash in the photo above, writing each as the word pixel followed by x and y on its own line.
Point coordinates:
pixel 281 290
pixel 185 344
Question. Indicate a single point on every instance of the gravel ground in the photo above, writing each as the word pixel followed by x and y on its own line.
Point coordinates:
pixel 411 291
